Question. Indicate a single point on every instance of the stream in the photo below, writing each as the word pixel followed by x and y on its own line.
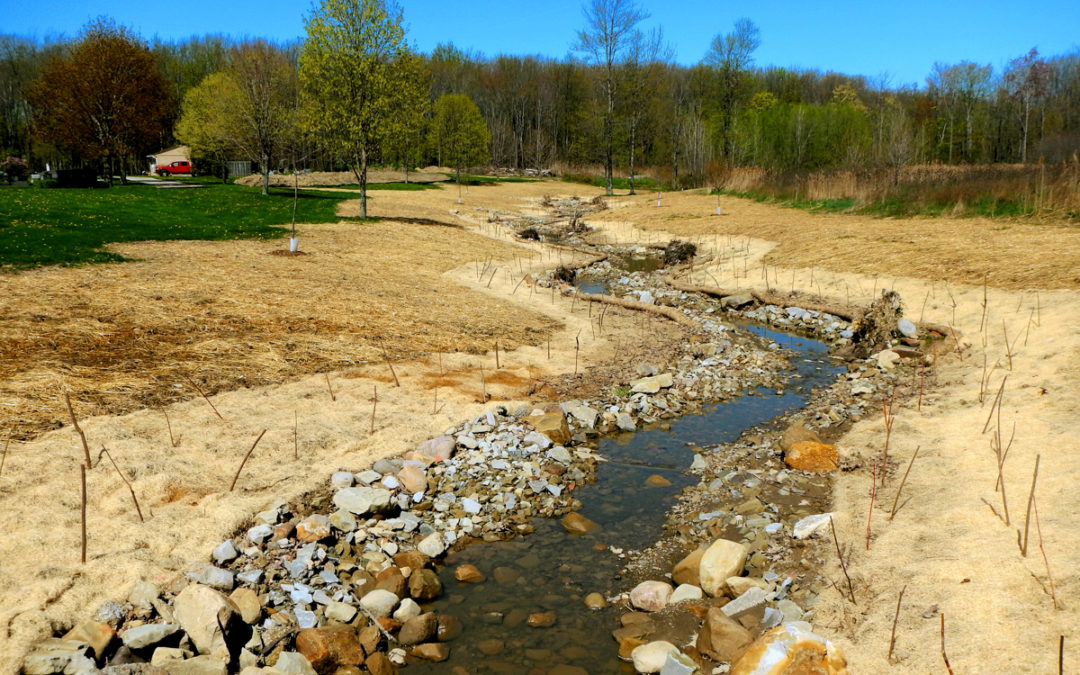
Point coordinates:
pixel 552 571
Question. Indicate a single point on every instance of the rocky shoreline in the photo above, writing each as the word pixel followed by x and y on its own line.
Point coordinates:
pixel 338 582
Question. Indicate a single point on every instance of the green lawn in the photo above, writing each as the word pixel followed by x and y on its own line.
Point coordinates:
pixel 57 226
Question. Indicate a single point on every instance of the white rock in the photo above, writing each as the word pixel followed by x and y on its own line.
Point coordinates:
pixel 432 545
pixel 804 527
pixel 260 533
pixel 678 663
pixel 225 552
pixel 340 611
pixel 341 479
pixel 362 500
pixel 407 610
pixel 651 385
pixel 379 602
pixel 470 505
pixel 721 560
pixel 305 618
pixel 213 576
pixel 650 596
pixel 201 611
pixel 148 634
pixel 907 328
pixel 685 592
pixel 293 663
pixel 886 359
pixel 750 604
pixel 651 657
pixel 368 477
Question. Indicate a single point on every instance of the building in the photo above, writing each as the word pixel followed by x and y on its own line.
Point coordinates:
pixel 177 153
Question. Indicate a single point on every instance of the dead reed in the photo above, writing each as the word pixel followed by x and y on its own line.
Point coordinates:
pixel 244 461
pixel 174 441
pixel 896 617
pixel 329 388
pixel 900 488
pixel 205 398
pixel 75 423
pixel 120 473
pixel 843 564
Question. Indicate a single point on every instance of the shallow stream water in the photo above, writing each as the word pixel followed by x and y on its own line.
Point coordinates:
pixel 552 571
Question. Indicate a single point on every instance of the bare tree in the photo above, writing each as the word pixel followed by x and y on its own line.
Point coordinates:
pixel 609 27
pixel 1025 80
pixel 731 55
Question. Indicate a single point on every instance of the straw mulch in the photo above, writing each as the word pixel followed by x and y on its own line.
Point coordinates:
pixel 431 174
pixel 232 315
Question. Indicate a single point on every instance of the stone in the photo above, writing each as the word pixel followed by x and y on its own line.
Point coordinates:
pixel 379 603
pixel 748 609
pixel 553 425
pixel 330 647
pixel 686 570
pixel 362 500
pixel 657 480
pixel 432 545
pixel 791 648
pixel 378 663
pixel 736 301
pixel 431 651
pixel 678 663
pixel 651 656
pixel 887 359
pixel 340 611
pixel 738 585
pixel 407 610
pixel 343 520
pixel 147 634
pixel 582 413
pixel 650 596
pixel 812 456
pixel 224 552
pixel 54 655
pixel 722 638
pixel 391 579
pixel 541 619
pixel 165 655
pixel 807 526
pixel 490 647
pixel 424 585
pixel 341 479
pixel 468 574
pixel 685 592
pixel 419 629
pixel 575 523
pixel 560 454
pixel 907 328
pixel 721 560
pixel 94 633
pixel 652 385
pixel 201 665
pixel 315 527
pixel 215 577
pixel 796 433
pixel 595 601
pixel 413 478
pixel 437 449
pixel 202 611
pixel 790 611
pixel 625 422
pixel 449 628
pixel 247 603
pixel 292 663
pixel 260 533
pixel 143 595
pixel 414 560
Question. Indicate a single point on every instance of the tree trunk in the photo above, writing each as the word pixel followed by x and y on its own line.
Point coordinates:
pixel 633 132
pixel 609 121
pixel 265 175
pixel 361 177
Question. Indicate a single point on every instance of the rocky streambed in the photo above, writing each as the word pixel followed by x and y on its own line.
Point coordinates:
pixel 489 549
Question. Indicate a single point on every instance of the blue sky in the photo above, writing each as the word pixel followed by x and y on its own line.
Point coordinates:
pixel 896 41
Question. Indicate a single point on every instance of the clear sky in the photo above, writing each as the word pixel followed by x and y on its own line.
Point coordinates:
pixel 898 40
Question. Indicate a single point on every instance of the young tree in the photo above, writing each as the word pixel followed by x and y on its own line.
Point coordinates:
pixel 730 56
pixel 403 145
pixel 459 132
pixel 351 66
pixel 609 27
pixel 103 100
pixel 1025 81
pixel 641 71
pixel 204 119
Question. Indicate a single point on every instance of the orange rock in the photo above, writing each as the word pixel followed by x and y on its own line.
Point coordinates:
pixel 628 645
pixel 330 647
pixel 468 574
pixel 797 433
pixel 812 456
pixel 791 650
pixel 541 619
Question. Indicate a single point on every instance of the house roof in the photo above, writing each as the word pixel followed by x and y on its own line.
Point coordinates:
pixel 185 148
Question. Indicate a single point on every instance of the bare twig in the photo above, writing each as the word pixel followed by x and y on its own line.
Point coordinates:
pixel 329 388
pixel 1027 516
pixel 295 435
pixel 1042 549
pixel 997 403
pixel 896 617
pixel 82 436
pixel 82 510
pixel 943 654
pixel 241 467
pixel 374 402
pixel 108 454
pixel 173 441
pixel 3 458
pixel 497 365
pixel 843 565
pixel 903 480
pixel 873 496
pixel 198 389
pixel 577 350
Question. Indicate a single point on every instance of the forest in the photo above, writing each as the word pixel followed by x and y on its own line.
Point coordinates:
pixel 618 105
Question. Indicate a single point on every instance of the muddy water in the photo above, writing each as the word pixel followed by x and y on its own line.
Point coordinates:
pixel 550 571
pixel 631 264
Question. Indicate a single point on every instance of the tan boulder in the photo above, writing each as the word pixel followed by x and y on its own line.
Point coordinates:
pixel 330 647
pixel 723 559
pixel 553 425
pixel 468 574
pixel 686 570
pixel 721 637
pixel 202 612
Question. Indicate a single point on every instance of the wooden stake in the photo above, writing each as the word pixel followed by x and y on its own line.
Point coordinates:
pixel 242 463
pixel 922 379
pixel 198 389
pixel 374 402
pixel 903 480
pixel 943 654
pixel 82 511
pixel 82 436
pixel 896 617
pixel 329 388
pixel 123 478
pixel 843 565
pixel 1027 516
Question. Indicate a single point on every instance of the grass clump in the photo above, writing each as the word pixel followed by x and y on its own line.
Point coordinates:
pixel 72 226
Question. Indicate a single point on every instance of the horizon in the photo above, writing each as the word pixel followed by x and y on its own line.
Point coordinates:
pixel 892 47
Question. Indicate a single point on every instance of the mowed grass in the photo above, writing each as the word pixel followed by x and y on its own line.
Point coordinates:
pixel 72 226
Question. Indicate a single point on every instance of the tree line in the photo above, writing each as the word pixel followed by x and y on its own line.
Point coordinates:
pixel 352 93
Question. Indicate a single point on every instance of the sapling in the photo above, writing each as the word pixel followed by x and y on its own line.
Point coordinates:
pixel 82 436
pixel 1027 516
pixel 205 397
pixel 244 461
pixel 329 388
pixel 896 617
pixel 108 454
pixel 82 510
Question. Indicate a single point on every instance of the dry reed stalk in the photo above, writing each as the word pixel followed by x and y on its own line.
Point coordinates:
pixel 573 302
pixel 1027 329
pixel 374 402
pixel 497 366
pixel 922 380
pixel 900 488
pixel 995 445
pixel 82 511
pixel 922 312
pixel 520 281
pixel 108 454
pixel 840 556
pixel 943 654
pixel 295 435
pixel 483 386
pixel 1008 347
pixel 329 388
pixel 3 458
pixel 82 436
pixel 873 496
pixel 952 300
pixel 1027 515
pixel 896 617
pixel 205 398
pixel 174 442
pixel 492 277
pixel 577 350
pixel 1042 549
pixel 887 414
pixel 985 303
pixel 549 347
pixel 997 402
pixel 956 340
pixel 244 461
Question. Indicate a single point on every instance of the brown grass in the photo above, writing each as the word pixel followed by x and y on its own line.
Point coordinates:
pixel 430 174
pixel 122 337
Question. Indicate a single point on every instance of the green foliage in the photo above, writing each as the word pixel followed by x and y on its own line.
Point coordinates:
pixel 459 132
pixel 640 182
pixel 67 227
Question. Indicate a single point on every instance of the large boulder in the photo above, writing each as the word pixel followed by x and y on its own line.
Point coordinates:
pixel 812 456
pixel 721 637
pixel 721 560
pixel 651 596
pixel 553 425
pixel 362 500
pixel 792 648
pixel 330 647
pixel 202 612
pixel 650 657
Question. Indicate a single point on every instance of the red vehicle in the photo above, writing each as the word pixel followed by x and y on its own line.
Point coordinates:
pixel 179 168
